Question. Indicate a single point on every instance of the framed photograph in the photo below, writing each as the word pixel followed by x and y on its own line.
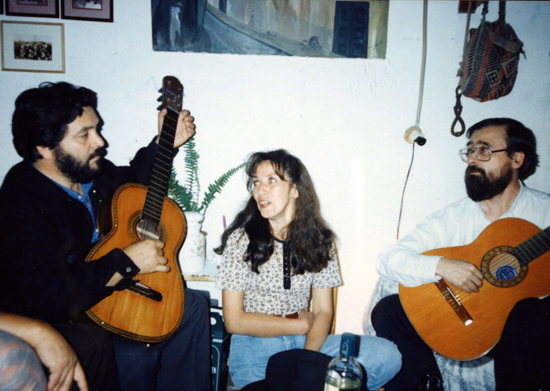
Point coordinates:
pixel 93 10
pixel 33 47
pixel 38 8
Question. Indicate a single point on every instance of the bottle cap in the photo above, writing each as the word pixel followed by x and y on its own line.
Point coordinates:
pixel 349 346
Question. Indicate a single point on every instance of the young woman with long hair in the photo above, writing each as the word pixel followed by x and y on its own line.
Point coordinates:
pixel 279 256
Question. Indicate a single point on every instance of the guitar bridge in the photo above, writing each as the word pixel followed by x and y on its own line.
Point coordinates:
pixel 144 290
pixel 454 302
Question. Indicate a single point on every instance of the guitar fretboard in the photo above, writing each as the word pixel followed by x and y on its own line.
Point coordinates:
pixel 158 184
pixel 533 247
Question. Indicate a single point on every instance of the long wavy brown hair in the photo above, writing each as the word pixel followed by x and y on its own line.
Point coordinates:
pixel 310 238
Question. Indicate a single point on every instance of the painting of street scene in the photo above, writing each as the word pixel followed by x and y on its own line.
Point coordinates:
pixel 320 28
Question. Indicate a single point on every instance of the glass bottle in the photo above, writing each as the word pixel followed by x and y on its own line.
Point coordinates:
pixel 343 372
pixel 429 383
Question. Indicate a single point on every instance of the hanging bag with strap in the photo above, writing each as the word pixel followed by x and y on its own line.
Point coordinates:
pixel 490 64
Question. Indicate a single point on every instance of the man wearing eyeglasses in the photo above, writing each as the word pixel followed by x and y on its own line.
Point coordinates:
pixel 501 154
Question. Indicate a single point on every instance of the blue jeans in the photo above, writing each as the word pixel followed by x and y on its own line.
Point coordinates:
pixel 248 356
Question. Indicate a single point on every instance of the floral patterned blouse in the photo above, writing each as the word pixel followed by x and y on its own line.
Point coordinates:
pixel 264 292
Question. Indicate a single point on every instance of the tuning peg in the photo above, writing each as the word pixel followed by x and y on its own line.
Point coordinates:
pixel 160 90
pixel 159 99
pixel 160 108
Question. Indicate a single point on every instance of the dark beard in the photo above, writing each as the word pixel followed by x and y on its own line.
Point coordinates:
pixel 480 187
pixel 75 171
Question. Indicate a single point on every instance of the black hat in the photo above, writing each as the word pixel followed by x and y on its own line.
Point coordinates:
pixel 293 370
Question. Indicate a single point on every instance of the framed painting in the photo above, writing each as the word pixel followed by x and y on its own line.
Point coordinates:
pixel 92 10
pixel 33 47
pixel 307 28
pixel 37 8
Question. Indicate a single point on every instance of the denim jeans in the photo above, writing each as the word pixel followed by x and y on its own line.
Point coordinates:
pixel 248 356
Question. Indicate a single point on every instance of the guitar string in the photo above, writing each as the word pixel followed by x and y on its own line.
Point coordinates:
pixel 504 259
pixel 523 253
pixel 520 255
pixel 536 245
pixel 155 197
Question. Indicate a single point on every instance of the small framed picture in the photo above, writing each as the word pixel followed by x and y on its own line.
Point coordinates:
pixel 38 8
pixel 33 47
pixel 93 10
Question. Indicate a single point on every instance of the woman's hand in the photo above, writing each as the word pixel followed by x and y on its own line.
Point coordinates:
pixel 237 321
pixel 323 312
pixel 307 318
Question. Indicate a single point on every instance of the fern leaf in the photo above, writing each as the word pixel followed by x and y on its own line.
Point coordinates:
pixel 192 170
pixel 217 187
pixel 179 193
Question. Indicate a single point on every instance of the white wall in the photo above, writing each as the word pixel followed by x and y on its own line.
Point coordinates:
pixel 344 118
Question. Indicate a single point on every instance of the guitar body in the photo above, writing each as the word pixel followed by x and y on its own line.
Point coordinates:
pixel 125 312
pixel 470 329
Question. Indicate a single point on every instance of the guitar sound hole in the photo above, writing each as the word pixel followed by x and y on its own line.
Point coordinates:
pixel 502 269
pixel 504 266
pixel 146 229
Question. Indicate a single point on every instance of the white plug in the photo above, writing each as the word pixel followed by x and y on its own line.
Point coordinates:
pixel 414 135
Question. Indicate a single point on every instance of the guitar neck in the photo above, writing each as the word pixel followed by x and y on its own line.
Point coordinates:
pixel 533 247
pixel 158 183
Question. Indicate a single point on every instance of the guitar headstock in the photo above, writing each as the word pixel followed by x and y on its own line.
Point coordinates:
pixel 172 94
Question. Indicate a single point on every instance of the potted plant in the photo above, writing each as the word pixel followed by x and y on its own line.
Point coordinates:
pixel 193 252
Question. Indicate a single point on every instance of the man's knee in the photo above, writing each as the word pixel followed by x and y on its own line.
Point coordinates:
pixel 531 308
pixel 197 309
pixel 385 309
pixel 196 301
pixel 530 316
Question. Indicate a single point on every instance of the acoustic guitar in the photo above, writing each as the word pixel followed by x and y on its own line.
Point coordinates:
pixel 151 309
pixel 513 256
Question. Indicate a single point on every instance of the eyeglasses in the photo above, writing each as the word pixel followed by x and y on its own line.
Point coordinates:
pixel 481 153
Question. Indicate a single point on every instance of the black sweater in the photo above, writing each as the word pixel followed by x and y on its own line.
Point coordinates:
pixel 45 236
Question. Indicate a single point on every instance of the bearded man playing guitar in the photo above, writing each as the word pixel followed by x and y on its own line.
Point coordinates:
pixel 48 222
pixel 501 154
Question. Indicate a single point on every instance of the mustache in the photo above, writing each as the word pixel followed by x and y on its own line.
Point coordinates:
pixel 101 152
pixel 474 169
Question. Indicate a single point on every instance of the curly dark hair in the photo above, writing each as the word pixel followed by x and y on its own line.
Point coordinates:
pixel 519 138
pixel 42 114
pixel 310 238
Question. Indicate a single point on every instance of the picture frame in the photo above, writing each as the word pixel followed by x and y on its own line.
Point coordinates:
pixel 33 47
pixel 324 29
pixel 91 10
pixel 34 8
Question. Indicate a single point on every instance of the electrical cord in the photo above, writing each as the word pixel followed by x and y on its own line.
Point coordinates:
pixel 423 68
pixel 403 194
pixel 415 130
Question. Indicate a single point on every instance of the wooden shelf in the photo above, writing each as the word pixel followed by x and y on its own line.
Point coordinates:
pixel 209 273
pixel 191 277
